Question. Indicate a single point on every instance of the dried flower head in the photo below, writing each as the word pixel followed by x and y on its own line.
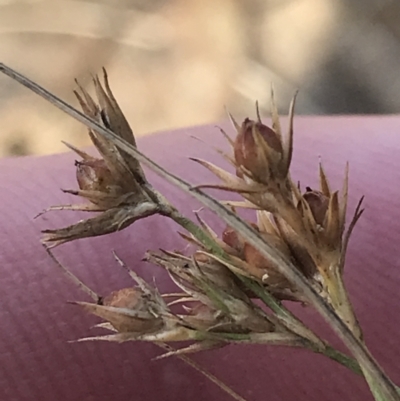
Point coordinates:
pixel 211 316
pixel 115 184
pixel 137 314
pixel 258 151
pixel 261 158
pixel 308 229
pixel 213 285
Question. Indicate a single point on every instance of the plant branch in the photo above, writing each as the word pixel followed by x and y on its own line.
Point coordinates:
pixel 314 343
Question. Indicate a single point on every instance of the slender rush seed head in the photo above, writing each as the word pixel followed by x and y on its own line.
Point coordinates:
pixel 114 184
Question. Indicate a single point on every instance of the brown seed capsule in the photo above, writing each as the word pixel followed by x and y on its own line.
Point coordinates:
pixel 231 238
pixel 130 299
pixel 258 265
pixel 202 317
pixel 253 157
pixel 318 203
pixel 93 175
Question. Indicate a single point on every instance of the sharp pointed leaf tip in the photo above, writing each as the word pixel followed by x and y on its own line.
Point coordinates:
pixel 258 112
pixel 233 121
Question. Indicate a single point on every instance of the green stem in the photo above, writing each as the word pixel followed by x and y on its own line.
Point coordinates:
pixel 286 317
pixel 341 358
pixel 194 229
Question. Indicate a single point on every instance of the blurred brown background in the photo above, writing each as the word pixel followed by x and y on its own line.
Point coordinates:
pixel 179 62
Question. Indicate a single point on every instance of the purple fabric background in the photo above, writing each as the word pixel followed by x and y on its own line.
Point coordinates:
pixel 38 363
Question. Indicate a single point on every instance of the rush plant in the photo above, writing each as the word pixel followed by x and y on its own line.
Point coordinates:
pixel 231 285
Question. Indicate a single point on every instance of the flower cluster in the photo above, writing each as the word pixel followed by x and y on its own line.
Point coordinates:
pixel 306 227
pixel 114 185
pixel 224 277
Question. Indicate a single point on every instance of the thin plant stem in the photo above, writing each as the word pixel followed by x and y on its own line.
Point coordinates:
pixel 204 372
pixel 342 358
